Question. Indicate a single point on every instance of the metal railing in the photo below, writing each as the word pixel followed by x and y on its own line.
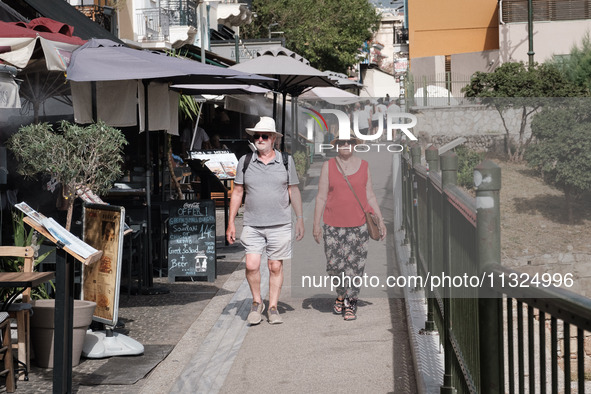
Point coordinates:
pixel 102 15
pixel 498 337
pixel 154 23
pixel 437 90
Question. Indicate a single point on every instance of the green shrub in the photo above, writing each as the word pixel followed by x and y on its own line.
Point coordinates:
pixel 467 160
pixel 301 162
pixel 22 237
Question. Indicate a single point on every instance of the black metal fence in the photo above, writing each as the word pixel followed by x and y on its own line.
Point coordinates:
pixel 502 331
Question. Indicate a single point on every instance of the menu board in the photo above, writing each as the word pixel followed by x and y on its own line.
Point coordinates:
pixel 222 163
pixel 191 239
pixel 103 225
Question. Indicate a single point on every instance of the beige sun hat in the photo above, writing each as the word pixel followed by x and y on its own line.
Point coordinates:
pixel 265 125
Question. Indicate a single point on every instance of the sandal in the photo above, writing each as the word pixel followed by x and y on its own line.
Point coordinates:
pixel 349 314
pixel 350 310
pixel 337 308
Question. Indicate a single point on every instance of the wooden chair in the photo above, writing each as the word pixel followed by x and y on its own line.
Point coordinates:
pixel 21 312
pixel 218 197
pixel 6 353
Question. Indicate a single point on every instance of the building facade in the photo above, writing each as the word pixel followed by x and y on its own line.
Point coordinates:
pixel 449 41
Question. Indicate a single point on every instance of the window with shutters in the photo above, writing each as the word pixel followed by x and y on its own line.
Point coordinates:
pixel 546 10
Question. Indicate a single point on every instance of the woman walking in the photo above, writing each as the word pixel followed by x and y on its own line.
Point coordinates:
pixel 344 231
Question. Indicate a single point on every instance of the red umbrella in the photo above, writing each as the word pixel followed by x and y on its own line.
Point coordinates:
pixel 18 43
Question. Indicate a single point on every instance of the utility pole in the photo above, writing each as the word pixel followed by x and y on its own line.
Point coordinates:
pixel 530 31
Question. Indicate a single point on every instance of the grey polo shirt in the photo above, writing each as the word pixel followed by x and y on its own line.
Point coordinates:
pixel 267 199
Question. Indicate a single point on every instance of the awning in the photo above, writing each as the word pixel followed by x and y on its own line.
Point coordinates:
pixel 62 11
pixel 8 14
pixel 249 104
pixel 104 60
pixel 197 89
pixel 18 41
pixel 331 95
pixel 234 14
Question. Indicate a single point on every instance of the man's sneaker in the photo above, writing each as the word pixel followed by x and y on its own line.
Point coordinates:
pixel 256 313
pixel 274 317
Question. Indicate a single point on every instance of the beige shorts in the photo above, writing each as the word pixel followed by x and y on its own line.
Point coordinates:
pixel 275 240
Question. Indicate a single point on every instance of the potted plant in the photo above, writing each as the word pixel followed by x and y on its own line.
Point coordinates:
pixel 80 158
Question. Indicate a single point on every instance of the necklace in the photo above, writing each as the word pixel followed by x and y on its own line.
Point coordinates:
pixel 346 166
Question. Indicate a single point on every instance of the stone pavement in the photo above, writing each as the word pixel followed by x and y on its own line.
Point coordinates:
pixel 214 350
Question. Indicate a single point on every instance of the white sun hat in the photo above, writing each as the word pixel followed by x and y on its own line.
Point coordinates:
pixel 265 125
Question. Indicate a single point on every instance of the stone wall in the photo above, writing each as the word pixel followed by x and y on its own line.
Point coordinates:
pixel 479 143
pixel 482 126
pixel 578 264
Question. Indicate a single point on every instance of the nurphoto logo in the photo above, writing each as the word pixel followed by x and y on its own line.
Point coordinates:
pixel 380 138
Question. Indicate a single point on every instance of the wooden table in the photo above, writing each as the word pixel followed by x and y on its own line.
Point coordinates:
pixel 19 281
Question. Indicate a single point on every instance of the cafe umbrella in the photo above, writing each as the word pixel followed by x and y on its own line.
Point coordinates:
pixel 105 60
pixel 40 51
pixel 292 75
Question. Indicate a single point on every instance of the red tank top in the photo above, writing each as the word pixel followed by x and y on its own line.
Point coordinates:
pixel 342 208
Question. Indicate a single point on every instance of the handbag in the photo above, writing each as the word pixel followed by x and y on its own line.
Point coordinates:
pixel 373 223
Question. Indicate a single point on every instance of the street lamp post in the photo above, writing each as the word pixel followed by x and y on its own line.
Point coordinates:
pixel 530 32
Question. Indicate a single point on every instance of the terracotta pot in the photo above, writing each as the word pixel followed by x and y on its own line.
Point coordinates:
pixel 42 330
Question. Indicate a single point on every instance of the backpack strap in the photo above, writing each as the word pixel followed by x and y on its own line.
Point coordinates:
pixel 247 161
pixel 286 163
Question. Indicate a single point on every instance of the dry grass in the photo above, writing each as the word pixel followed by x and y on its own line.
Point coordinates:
pixel 534 218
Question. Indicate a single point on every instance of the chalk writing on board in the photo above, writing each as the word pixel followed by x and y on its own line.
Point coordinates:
pixel 191 239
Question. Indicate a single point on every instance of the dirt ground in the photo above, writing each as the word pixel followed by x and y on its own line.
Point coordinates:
pixel 534 217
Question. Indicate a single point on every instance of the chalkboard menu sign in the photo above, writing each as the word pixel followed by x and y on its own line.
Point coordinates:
pixel 191 239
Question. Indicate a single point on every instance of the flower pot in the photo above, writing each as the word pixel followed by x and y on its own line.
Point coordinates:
pixel 42 330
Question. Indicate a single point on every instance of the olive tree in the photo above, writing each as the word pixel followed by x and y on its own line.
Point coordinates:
pixel 521 87
pixel 80 158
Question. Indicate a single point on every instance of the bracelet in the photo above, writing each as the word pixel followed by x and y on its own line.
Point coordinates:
pixel 299 217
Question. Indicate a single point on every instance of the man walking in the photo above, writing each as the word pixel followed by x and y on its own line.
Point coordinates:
pixel 270 181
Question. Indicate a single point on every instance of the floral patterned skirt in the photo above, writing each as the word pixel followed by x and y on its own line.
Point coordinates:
pixel 346 252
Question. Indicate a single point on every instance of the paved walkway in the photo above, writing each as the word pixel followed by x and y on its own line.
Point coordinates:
pixel 214 350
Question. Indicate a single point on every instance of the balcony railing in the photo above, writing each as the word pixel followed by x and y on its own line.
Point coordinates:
pixel 154 23
pixel 99 14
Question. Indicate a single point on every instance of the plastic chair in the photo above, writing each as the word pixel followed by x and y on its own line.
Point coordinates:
pixel 21 312
pixel 6 352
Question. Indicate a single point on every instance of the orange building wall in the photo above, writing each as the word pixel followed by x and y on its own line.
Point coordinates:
pixel 445 27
